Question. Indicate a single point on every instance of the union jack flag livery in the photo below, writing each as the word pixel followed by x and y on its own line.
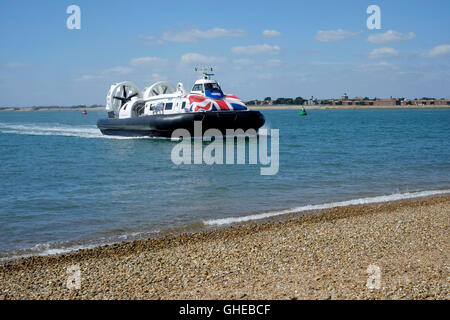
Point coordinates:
pixel 201 103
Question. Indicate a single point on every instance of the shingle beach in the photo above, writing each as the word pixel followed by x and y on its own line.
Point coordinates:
pixel 393 250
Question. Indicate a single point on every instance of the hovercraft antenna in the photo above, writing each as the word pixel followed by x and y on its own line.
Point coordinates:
pixel 206 71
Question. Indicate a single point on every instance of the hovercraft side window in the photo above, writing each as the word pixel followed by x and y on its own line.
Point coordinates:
pixel 197 87
pixel 139 108
pixel 183 105
pixel 168 106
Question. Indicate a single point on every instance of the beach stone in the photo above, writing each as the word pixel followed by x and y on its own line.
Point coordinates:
pixel 318 255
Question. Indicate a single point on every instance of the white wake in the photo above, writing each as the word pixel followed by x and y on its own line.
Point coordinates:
pixel 56 129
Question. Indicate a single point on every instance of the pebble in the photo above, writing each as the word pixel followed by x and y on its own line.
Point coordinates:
pixel 322 255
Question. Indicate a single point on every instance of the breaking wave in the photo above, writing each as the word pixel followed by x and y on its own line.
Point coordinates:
pixel 54 248
pixel 368 200
pixel 60 247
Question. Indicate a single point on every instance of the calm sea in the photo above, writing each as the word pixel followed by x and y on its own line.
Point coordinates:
pixel 65 186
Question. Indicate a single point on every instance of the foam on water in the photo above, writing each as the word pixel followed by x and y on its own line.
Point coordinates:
pixel 385 198
pixel 43 249
pixel 57 196
pixel 55 248
pixel 87 131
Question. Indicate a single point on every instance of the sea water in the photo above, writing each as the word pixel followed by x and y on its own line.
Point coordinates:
pixel 65 186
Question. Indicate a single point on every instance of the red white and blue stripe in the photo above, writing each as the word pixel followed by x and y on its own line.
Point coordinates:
pixel 201 103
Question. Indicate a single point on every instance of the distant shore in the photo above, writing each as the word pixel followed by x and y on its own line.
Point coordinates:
pixel 258 107
pixel 327 107
pixel 25 109
pixel 329 254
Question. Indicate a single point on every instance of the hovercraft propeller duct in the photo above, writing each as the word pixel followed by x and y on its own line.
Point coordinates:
pixel 118 95
pixel 125 98
pixel 157 89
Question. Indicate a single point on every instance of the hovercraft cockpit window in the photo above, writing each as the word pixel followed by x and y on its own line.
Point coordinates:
pixel 212 87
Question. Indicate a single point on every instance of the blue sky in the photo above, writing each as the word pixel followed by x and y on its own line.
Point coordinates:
pixel 278 49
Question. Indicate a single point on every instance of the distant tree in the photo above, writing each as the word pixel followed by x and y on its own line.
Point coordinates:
pixel 366 98
pixel 267 99
pixel 339 103
pixel 299 101
pixel 284 101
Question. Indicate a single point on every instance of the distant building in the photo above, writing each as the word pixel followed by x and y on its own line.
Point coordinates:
pixel 359 101
pixel 426 102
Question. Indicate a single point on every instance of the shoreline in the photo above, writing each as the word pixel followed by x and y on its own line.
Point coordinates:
pixel 258 107
pixel 329 107
pixel 233 262
pixel 28 109
pixel 258 217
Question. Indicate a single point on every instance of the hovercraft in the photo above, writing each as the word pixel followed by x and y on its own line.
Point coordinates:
pixel 160 109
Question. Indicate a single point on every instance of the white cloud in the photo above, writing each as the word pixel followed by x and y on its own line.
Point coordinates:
pixel 240 64
pixel 271 33
pixel 87 77
pixel 438 51
pixel 118 70
pixel 334 35
pixel 383 53
pixel 14 65
pixel 243 62
pixel 373 67
pixel 150 39
pixel 148 61
pixel 132 67
pixel 390 36
pixel 156 77
pixel 194 35
pixel 105 74
pixel 329 63
pixel 273 62
pixel 265 76
pixel 193 58
pixel 256 49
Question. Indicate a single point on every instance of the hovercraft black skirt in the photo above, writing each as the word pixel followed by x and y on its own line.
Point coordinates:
pixel 163 125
